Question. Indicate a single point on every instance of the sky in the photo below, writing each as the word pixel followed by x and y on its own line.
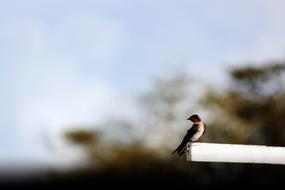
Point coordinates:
pixel 70 63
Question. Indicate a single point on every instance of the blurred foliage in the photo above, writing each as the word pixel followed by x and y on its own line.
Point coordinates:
pixel 82 137
pixel 254 104
pixel 165 109
pixel 250 110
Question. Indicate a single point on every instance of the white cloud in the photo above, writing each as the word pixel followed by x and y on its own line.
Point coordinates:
pixel 91 40
pixel 267 42
pixel 47 83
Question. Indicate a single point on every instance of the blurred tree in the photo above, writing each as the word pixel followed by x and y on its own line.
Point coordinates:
pixel 163 120
pixel 103 145
pixel 252 108
pixel 82 137
pixel 166 107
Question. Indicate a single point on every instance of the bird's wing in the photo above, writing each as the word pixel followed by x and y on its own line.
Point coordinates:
pixel 186 139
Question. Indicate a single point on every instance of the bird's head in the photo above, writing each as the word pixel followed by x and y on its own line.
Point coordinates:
pixel 194 118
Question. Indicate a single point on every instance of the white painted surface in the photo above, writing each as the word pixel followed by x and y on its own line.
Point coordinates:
pixel 214 152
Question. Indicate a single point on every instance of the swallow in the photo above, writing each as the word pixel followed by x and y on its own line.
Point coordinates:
pixel 193 134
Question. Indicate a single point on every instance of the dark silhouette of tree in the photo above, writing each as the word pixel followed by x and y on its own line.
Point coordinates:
pixel 253 107
pixel 250 109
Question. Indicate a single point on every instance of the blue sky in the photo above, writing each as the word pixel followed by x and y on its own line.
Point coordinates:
pixel 65 63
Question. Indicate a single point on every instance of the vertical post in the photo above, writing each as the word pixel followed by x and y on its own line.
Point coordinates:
pixel 188 152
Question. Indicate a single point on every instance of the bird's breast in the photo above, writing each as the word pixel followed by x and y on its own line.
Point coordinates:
pixel 198 134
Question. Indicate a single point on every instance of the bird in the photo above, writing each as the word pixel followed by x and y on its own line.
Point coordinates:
pixel 193 134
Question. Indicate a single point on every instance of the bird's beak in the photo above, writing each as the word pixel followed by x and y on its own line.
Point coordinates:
pixel 189 118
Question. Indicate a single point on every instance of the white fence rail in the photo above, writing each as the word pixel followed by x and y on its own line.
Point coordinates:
pixel 214 152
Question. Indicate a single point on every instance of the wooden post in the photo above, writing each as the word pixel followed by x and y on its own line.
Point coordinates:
pixel 215 152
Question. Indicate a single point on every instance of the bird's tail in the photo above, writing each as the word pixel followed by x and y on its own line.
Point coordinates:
pixel 181 149
pixel 174 151
pixel 180 153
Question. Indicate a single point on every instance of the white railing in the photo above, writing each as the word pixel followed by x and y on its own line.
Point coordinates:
pixel 215 152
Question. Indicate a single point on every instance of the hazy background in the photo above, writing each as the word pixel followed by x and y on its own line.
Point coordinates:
pixel 106 86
